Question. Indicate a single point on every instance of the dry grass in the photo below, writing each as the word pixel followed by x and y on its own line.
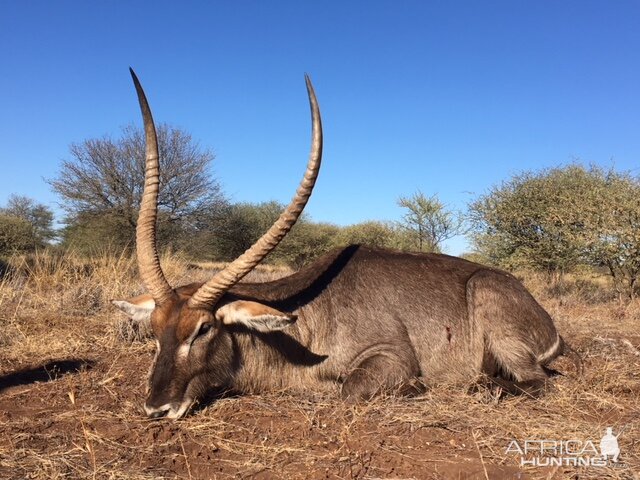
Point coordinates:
pixel 68 284
pixel 88 423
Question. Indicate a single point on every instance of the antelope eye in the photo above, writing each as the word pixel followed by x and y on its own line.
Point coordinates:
pixel 204 328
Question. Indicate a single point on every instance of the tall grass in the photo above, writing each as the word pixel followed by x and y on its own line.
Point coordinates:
pixel 72 284
pixel 585 286
pixel 69 283
pixel 68 286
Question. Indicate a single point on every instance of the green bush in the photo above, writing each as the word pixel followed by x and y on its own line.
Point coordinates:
pixel 555 220
pixel 16 235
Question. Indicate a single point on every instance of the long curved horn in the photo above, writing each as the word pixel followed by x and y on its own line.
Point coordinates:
pixel 209 294
pixel 148 261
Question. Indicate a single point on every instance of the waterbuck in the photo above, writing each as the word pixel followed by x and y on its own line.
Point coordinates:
pixel 358 320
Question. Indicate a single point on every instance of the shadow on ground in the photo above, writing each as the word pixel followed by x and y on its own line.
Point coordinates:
pixel 44 373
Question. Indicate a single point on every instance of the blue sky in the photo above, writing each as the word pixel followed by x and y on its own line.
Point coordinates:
pixel 447 97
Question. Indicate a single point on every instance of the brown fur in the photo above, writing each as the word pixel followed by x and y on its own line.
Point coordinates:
pixel 368 320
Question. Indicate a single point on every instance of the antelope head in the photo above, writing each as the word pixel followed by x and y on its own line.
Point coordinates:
pixel 195 350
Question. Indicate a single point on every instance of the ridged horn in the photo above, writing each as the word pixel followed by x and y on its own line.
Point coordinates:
pixel 209 294
pixel 147 253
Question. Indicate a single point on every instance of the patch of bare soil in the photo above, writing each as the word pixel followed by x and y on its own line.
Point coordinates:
pixel 71 394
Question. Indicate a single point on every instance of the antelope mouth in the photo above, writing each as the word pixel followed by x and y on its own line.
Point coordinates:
pixel 169 410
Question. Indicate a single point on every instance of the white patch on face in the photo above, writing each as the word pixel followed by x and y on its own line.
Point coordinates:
pixel 181 412
pixel 171 411
pixel 152 367
pixel 150 411
pixel 183 350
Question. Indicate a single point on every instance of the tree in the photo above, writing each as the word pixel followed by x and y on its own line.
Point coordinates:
pixel 224 233
pixel 556 219
pixel 16 235
pixel 613 234
pixel 103 182
pixel 536 219
pixel 428 221
pixel 372 233
pixel 94 232
pixel 305 242
pixel 38 215
pixel 377 234
pixel 231 231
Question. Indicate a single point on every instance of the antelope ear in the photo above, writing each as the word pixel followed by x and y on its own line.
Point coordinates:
pixel 254 315
pixel 138 308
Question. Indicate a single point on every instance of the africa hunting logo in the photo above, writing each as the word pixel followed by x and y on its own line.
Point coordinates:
pixel 578 453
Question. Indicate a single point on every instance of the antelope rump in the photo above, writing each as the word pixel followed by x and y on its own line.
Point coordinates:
pixel 358 320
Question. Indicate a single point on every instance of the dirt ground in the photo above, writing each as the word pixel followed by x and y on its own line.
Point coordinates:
pixel 71 394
